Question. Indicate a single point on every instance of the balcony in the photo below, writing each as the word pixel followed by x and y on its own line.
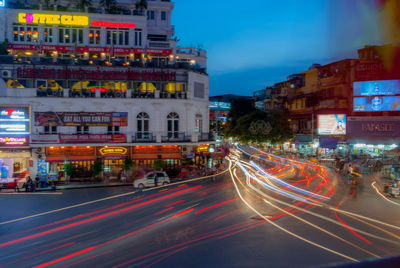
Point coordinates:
pixel 206 137
pixel 176 137
pixel 144 137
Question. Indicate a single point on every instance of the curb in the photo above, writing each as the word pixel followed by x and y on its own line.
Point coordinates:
pixel 81 187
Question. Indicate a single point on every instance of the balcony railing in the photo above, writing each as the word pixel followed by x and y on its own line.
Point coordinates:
pixel 176 137
pixel 206 137
pixel 143 137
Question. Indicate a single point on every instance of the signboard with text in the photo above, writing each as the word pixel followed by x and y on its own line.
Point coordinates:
pixel 14 125
pixel 80 119
pixel 374 127
pixel 92 138
pixel 377 88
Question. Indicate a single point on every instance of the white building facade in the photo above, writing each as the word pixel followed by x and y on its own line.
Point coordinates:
pixel 86 86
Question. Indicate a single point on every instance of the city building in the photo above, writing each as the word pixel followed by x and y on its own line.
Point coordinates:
pixel 351 105
pixel 80 84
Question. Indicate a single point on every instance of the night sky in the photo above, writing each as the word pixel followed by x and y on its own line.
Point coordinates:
pixel 252 44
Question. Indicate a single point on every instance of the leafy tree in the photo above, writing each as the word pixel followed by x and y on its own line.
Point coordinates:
pixel 159 165
pixel 83 4
pixel 128 164
pixel 3 48
pixel 97 168
pixel 141 5
pixel 69 169
pixel 110 6
pixel 239 107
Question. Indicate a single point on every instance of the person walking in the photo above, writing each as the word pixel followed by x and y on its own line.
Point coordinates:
pixel 349 173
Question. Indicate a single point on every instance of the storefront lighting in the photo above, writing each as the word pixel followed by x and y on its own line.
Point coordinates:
pixel 52 147
pixel 380 146
pixel 359 145
pixel 393 146
pixel 370 146
pixel 95 56
pixel 28 53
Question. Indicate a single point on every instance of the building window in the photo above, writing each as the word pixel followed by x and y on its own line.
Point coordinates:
pixel 94 37
pixel 118 37
pixel 143 120
pixel 150 14
pixel 25 34
pixel 138 38
pixel 48 35
pixel 113 130
pixel 198 125
pixel 70 35
pixel 173 125
pixel 50 130
pixel 163 15
pixel 199 91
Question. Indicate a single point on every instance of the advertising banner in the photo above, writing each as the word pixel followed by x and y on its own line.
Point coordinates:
pixel 376 104
pixel 80 119
pixel 377 88
pixel 332 124
pixel 92 138
pixel 45 139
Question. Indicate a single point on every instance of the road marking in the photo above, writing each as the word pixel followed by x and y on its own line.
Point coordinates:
pixel 107 198
pixel 384 197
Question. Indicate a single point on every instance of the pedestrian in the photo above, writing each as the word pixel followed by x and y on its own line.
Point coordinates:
pixel 156 180
pixel 349 173
pixel 37 180
pixel 29 185
pixel 123 177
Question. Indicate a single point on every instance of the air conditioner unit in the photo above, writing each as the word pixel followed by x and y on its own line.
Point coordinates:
pixel 6 74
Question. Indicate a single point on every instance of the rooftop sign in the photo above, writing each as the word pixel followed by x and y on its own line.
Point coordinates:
pixel 112 24
pixel 53 19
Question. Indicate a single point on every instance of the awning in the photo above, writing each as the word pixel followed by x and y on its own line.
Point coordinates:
pixel 304 139
pixel 70 158
pixel 155 156
pixel 328 142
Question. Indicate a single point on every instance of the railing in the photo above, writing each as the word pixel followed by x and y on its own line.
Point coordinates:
pixel 143 137
pixel 49 93
pixel 176 137
pixel 6 59
pixel 206 137
pixel 83 93
pixel 177 95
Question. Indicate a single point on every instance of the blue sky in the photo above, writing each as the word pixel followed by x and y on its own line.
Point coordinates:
pixel 252 44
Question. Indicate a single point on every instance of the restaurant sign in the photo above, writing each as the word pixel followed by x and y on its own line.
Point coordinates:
pixel 14 125
pixel 113 151
pixel 80 119
pixel 53 19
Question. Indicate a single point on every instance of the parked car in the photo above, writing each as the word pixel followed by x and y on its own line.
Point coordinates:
pixel 149 180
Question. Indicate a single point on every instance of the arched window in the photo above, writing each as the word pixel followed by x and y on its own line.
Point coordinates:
pixel 198 124
pixel 173 125
pixel 143 126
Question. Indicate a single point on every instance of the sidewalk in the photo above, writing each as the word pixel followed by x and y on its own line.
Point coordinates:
pixel 380 182
pixel 84 186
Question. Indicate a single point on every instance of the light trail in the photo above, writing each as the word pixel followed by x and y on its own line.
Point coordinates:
pixel 384 197
pixel 93 218
pixel 280 227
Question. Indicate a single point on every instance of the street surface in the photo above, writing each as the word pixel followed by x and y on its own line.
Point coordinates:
pixel 264 211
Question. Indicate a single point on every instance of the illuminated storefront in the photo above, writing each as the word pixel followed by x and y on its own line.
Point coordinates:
pixel 14 140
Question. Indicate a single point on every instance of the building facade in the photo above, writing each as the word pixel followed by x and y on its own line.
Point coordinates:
pixel 99 83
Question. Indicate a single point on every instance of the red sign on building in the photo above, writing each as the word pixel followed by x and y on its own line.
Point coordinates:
pixel 92 138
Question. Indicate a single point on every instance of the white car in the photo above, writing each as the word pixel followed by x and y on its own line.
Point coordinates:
pixel 149 180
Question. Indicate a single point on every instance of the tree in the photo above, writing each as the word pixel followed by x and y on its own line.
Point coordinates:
pixel 128 164
pixel 258 126
pixel 83 5
pixel 69 170
pixel 110 6
pixel 97 168
pixel 141 5
pixel 3 47
pixel 159 165
pixel 239 107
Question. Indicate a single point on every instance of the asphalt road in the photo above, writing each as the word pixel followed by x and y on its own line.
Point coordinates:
pixel 235 221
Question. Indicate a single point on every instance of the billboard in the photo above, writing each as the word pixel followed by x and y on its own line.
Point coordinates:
pixel 376 104
pixel 14 125
pixel 80 119
pixel 331 124
pixel 377 88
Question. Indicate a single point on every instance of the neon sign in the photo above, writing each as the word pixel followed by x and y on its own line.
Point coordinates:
pixel 113 150
pixel 53 19
pixel 13 140
pixel 112 24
